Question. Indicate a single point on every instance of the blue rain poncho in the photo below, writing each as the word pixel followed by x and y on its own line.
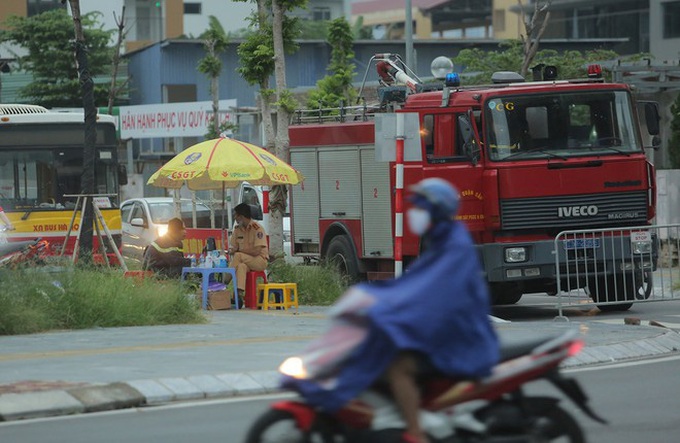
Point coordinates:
pixel 440 308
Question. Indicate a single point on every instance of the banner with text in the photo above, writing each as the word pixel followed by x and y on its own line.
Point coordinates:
pixel 172 119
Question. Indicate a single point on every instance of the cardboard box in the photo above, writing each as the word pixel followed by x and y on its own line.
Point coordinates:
pixel 217 300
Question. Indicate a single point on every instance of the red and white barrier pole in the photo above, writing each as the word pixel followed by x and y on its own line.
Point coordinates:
pixel 399 198
pixel 265 211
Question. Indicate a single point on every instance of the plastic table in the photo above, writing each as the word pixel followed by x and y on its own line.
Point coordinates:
pixel 205 277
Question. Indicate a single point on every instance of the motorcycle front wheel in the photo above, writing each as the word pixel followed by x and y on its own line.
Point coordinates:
pixel 536 419
pixel 555 425
pixel 277 426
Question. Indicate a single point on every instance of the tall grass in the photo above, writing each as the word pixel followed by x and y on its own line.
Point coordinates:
pixel 317 285
pixel 33 301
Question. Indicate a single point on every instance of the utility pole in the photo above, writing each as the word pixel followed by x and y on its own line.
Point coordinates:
pixel 408 31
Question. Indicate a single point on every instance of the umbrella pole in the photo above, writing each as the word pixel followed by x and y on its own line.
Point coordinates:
pixel 175 200
pixel 224 197
pixel 193 208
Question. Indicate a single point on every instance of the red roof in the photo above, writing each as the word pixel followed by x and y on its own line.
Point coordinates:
pixel 366 7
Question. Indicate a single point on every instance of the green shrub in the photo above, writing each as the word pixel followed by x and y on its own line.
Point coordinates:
pixel 317 285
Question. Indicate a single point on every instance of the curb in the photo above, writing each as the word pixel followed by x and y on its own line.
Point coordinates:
pixel 666 342
pixel 138 393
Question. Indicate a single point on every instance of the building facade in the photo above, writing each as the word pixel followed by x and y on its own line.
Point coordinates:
pixel 650 26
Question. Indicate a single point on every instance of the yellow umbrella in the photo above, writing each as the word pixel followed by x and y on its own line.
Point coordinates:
pixel 224 162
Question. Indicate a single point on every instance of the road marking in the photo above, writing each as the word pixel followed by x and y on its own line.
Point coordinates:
pixel 145 348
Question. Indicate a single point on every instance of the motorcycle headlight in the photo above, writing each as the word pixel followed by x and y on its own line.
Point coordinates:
pixel 293 367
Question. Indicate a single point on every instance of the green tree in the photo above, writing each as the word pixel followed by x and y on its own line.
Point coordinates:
pixel 570 64
pixel 337 86
pixel 262 54
pixel 674 142
pixel 215 43
pixel 256 55
pixel 285 104
pixel 48 38
pixel 534 29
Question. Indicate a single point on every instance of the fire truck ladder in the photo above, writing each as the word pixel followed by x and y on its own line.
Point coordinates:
pixel 81 203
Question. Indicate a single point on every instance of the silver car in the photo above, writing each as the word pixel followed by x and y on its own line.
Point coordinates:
pixel 145 219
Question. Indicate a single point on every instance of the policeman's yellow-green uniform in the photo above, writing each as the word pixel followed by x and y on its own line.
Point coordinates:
pixel 251 253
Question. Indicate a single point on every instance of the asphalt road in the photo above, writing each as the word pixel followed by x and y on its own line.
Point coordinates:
pixel 542 307
pixel 641 400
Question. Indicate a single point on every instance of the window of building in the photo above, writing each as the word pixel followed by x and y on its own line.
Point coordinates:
pixel 321 13
pixel 499 20
pixel 35 7
pixel 149 22
pixel 192 8
pixel 671 19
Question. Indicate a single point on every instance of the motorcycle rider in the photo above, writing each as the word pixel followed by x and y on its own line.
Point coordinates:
pixel 433 318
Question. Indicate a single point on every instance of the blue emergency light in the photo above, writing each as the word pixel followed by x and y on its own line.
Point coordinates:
pixel 452 79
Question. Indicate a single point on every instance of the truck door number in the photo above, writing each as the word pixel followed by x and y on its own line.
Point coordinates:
pixel 375 192
pixel 337 185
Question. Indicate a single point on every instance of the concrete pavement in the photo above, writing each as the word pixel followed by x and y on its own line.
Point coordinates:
pixel 235 353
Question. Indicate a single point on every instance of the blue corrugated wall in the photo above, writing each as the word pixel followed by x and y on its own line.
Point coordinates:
pixel 174 62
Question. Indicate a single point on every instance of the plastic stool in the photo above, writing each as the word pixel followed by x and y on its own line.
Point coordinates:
pixel 251 287
pixel 285 295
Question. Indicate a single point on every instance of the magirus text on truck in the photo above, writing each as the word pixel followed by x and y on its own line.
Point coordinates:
pixel 530 160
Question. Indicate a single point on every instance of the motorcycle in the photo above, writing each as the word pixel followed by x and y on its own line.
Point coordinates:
pixel 493 409
pixel 22 253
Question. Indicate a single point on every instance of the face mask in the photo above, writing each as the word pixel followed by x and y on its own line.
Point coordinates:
pixel 418 220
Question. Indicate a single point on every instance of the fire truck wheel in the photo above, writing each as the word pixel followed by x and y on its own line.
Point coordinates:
pixel 503 294
pixel 341 254
pixel 612 288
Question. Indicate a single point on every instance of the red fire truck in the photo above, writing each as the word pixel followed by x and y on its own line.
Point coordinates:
pixel 530 159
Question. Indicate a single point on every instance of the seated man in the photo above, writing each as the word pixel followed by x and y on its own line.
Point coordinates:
pixel 248 249
pixel 165 255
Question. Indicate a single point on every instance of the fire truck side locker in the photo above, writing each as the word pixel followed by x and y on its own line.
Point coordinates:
pixel 376 210
pixel 305 202
pixel 343 185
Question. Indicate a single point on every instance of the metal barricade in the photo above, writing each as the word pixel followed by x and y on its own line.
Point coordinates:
pixel 616 267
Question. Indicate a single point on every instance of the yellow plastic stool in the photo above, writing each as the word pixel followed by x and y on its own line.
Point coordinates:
pixel 266 299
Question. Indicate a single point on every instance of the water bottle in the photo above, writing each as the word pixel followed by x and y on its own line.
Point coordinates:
pixel 223 260
pixel 192 257
pixel 202 261
pixel 208 260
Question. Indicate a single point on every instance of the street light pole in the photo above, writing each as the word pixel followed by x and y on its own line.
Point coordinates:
pixel 408 31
